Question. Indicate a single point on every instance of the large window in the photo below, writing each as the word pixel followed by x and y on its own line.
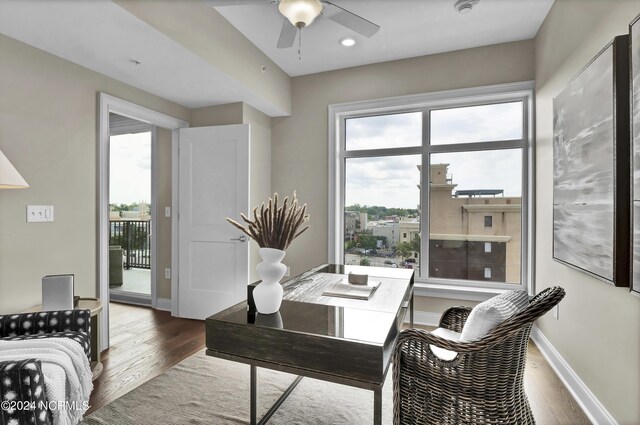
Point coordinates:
pixel 439 184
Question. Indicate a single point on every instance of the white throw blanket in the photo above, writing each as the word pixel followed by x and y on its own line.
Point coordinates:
pixel 66 370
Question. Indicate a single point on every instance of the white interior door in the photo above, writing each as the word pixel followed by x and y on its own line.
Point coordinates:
pixel 213 257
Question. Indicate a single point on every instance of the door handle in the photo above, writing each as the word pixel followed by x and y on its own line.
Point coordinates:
pixel 242 238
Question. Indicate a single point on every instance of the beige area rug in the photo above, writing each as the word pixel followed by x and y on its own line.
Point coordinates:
pixel 207 390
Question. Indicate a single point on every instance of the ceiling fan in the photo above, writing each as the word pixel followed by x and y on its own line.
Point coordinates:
pixel 301 13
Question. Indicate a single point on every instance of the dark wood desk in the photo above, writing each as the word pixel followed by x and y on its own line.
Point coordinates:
pixel 338 340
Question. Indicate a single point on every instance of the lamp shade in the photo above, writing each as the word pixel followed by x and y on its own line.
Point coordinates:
pixel 300 12
pixel 9 176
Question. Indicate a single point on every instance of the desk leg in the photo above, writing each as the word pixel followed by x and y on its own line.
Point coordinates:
pixel 96 365
pixel 95 338
pixel 377 406
pixel 253 396
pixel 411 311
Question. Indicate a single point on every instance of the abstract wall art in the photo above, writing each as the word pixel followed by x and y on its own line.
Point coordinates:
pixel 634 35
pixel 591 166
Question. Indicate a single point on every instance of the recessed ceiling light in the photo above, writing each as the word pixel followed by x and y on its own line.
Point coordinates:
pixel 347 41
pixel 464 6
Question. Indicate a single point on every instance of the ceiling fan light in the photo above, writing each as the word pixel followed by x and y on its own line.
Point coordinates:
pixel 300 13
pixel 464 6
pixel 347 41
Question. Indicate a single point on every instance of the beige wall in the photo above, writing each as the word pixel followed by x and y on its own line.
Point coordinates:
pixel 217 115
pixel 48 129
pixel 299 157
pixel 599 325
pixel 260 153
pixel 41 92
pixel 163 230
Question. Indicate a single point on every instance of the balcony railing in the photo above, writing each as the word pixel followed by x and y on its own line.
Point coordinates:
pixel 134 238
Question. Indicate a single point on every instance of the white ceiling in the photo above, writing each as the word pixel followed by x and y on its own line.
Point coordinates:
pixel 104 37
pixel 409 28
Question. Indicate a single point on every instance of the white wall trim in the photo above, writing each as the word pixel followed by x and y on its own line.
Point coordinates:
pixel 591 406
pixel 337 113
pixel 465 293
pixel 130 298
pixel 110 104
pixel 163 304
pixel 175 209
pixel 442 97
pixel 154 215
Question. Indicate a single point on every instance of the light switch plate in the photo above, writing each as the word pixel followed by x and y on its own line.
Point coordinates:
pixel 39 213
pixel 167 212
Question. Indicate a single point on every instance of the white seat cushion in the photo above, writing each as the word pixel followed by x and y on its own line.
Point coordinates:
pixel 441 353
pixel 487 315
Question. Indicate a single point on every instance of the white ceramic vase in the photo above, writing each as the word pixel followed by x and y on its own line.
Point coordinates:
pixel 269 320
pixel 268 294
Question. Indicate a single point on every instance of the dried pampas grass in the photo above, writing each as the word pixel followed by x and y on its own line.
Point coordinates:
pixel 275 226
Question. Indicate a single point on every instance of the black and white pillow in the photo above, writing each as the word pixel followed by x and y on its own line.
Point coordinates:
pixel 23 394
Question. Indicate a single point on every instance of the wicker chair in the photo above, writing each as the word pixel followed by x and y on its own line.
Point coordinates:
pixel 482 385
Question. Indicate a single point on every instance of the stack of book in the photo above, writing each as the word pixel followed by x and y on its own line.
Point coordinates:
pixel 345 289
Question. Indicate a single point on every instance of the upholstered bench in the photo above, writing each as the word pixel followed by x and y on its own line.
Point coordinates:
pixel 72 324
pixel 23 377
pixel 22 380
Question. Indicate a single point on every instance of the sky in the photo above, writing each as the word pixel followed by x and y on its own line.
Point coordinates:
pixel 130 168
pixel 383 181
pixel 393 181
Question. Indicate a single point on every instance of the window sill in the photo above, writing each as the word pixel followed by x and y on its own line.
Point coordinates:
pixel 466 293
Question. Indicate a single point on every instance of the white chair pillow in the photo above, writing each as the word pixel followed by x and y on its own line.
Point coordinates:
pixel 487 315
pixel 442 353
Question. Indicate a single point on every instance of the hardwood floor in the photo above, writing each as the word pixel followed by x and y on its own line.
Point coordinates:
pixel 144 344
pixel 550 400
pixel 147 342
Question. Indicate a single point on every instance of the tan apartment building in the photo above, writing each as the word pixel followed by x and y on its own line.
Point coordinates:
pixel 475 234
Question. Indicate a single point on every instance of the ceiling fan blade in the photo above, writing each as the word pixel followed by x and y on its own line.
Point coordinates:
pixel 287 35
pixel 217 3
pixel 350 20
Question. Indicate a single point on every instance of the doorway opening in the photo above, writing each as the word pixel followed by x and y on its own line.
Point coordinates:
pixel 164 143
pixel 131 145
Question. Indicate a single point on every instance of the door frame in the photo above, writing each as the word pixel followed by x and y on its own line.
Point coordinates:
pixel 110 104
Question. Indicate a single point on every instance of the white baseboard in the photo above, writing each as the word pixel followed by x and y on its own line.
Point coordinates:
pixel 591 406
pixel 424 318
pixel 130 298
pixel 163 304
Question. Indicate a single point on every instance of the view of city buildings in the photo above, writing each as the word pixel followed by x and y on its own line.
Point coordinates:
pixel 139 211
pixel 473 235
